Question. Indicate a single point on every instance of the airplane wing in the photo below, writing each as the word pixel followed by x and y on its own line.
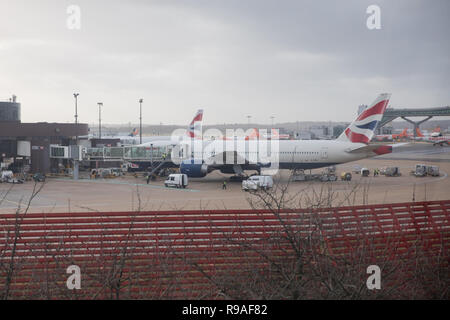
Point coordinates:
pixel 378 149
pixel 226 157
pixel 372 148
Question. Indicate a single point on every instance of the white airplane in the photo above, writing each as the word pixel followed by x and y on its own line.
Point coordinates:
pixel 191 133
pixel 126 139
pixel 198 158
pixel 436 140
pixel 436 137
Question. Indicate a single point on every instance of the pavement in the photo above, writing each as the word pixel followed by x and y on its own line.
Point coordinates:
pixel 130 193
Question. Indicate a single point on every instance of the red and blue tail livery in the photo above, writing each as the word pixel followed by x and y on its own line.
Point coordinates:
pixel 195 127
pixel 134 132
pixel 362 129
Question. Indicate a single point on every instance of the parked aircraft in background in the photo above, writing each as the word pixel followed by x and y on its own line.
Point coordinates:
pixel 436 132
pixel 435 137
pixel 392 137
pixel 132 136
pixel 237 135
pixel 352 144
pixel 194 128
pixel 438 141
pixel 274 134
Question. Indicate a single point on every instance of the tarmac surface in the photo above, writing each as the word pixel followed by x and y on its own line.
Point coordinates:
pixel 129 193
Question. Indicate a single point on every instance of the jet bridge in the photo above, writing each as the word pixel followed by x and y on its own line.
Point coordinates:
pixel 147 158
pixel 391 114
pixel 127 153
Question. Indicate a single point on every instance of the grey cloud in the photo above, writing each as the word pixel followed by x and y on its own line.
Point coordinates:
pixel 305 60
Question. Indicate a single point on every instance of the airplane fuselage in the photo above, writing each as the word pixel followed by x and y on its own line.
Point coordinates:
pixel 282 154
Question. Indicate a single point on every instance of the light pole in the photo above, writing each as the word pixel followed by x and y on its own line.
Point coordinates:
pixel 272 117
pixel 75 162
pixel 100 104
pixel 248 119
pixel 75 95
pixel 140 120
pixel 151 155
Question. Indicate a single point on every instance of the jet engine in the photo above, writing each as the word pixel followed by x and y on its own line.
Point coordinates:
pixel 194 168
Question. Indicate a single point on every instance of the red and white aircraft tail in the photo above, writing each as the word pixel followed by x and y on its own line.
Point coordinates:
pixel 363 128
pixel 195 127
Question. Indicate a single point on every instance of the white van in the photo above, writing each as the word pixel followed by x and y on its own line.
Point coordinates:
pixel 176 180
pixel 256 182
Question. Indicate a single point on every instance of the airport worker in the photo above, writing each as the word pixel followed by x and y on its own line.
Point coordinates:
pixel 224 185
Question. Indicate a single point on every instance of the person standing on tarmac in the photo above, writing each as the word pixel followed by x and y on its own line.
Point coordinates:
pixel 224 185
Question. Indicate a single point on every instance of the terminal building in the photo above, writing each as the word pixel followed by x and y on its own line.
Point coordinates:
pixel 25 147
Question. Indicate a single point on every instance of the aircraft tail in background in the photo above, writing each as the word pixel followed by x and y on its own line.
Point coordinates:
pixel 195 127
pixel 253 135
pixel 419 133
pixel 404 133
pixel 134 132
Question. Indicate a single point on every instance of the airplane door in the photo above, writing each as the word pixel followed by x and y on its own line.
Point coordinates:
pixel 180 151
pixel 324 153
pixel 297 155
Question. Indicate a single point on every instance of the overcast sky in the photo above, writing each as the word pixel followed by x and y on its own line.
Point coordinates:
pixel 295 60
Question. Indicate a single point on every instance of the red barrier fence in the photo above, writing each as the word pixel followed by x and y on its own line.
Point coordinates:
pixel 215 253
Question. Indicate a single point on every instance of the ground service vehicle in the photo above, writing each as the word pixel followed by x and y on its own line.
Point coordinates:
pixel 433 171
pixel 346 176
pixel 5 175
pixel 177 180
pixel 392 172
pixel 257 182
pixel 39 177
pixel 421 170
pixel 329 174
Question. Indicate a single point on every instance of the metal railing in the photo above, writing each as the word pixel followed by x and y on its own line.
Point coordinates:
pixel 207 237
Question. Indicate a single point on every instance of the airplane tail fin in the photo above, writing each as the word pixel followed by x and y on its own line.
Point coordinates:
pixel 134 132
pixel 404 133
pixel 195 127
pixel 253 135
pixel 275 134
pixel 437 129
pixel 363 128
pixel 419 133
